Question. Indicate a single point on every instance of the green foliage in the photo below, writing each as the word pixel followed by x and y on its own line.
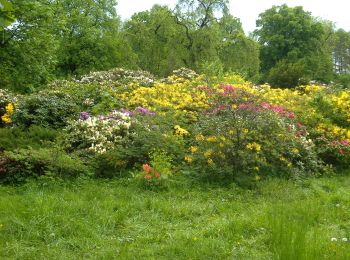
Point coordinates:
pixel 287 75
pixel 35 137
pixel 341 52
pixel 20 165
pixel 49 109
pixel 151 134
pixel 6 14
pixel 289 36
pixel 90 38
pixel 161 162
pixel 28 50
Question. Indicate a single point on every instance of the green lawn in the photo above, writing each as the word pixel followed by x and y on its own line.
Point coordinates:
pixel 117 220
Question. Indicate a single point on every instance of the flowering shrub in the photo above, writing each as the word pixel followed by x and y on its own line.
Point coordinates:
pixel 155 175
pixel 119 76
pixel 7 101
pixel 97 134
pixel 218 126
pixel 238 136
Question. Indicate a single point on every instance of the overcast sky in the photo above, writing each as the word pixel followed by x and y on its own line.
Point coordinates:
pixel 249 10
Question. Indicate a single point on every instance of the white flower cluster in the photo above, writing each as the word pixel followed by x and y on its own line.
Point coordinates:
pixel 98 133
pixel 119 77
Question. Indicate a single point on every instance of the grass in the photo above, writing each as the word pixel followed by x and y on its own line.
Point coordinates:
pixel 116 219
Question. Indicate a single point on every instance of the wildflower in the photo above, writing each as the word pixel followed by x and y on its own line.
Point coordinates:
pixel 146 168
pixel 210 161
pixel 157 175
pixel 194 149
pixel 9 110
pixel 254 146
pixel 211 139
pixel 180 131
pixel 295 151
pixel 147 177
pixel 245 131
pixel 208 153
pixel 200 137
pixel 265 105
pixel 188 159
pixel 257 178
pixel 84 115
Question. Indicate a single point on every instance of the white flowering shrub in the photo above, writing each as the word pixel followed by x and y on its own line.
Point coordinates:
pixel 97 134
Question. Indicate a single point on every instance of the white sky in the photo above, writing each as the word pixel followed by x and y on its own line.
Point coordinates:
pixel 249 10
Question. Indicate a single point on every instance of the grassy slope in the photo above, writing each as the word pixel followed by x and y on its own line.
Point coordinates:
pixel 108 220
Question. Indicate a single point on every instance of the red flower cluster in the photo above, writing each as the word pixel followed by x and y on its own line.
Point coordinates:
pixel 149 172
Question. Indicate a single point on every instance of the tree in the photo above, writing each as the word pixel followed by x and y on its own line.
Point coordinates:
pixel 341 52
pixel 28 48
pixel 154 36
pixel 6 14
pixel 237 52
pixel 292 36
pixel 90 38
pixel 201 34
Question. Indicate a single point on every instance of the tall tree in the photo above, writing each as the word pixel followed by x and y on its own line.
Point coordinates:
pixel 28 48
pixel 237 52
pixel 154 37
pixel 6 14
pixel 291 39
pixel 341 52
pixel 199 21
pixel 90 38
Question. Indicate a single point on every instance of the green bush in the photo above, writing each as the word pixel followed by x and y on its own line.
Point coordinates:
pixel 34 136
pixel 48 109
pixel 18 166
pixel 151 134
pixel 287 75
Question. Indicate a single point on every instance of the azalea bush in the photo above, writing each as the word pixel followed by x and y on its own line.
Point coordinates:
pixel 7 101
pixel 220 127
pixel 97 134
pixel 239 137
pixel 155 175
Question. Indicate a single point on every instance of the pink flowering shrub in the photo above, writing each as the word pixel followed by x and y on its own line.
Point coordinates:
pixel 241 137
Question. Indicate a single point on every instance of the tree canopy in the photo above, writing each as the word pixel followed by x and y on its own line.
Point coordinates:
pixel 43 40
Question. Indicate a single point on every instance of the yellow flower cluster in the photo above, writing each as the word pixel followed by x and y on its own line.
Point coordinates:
pixel 180 131
pixel 254 146
pixel 6 118
pixel 333 131
pixel 164 97
pixel 342 102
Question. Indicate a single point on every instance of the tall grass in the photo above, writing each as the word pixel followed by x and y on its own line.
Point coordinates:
pixel 118 220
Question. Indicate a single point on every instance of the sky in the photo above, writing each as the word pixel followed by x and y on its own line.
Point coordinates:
pixel 249 10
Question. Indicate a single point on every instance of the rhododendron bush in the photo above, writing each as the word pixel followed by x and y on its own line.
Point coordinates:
pixel 223 128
